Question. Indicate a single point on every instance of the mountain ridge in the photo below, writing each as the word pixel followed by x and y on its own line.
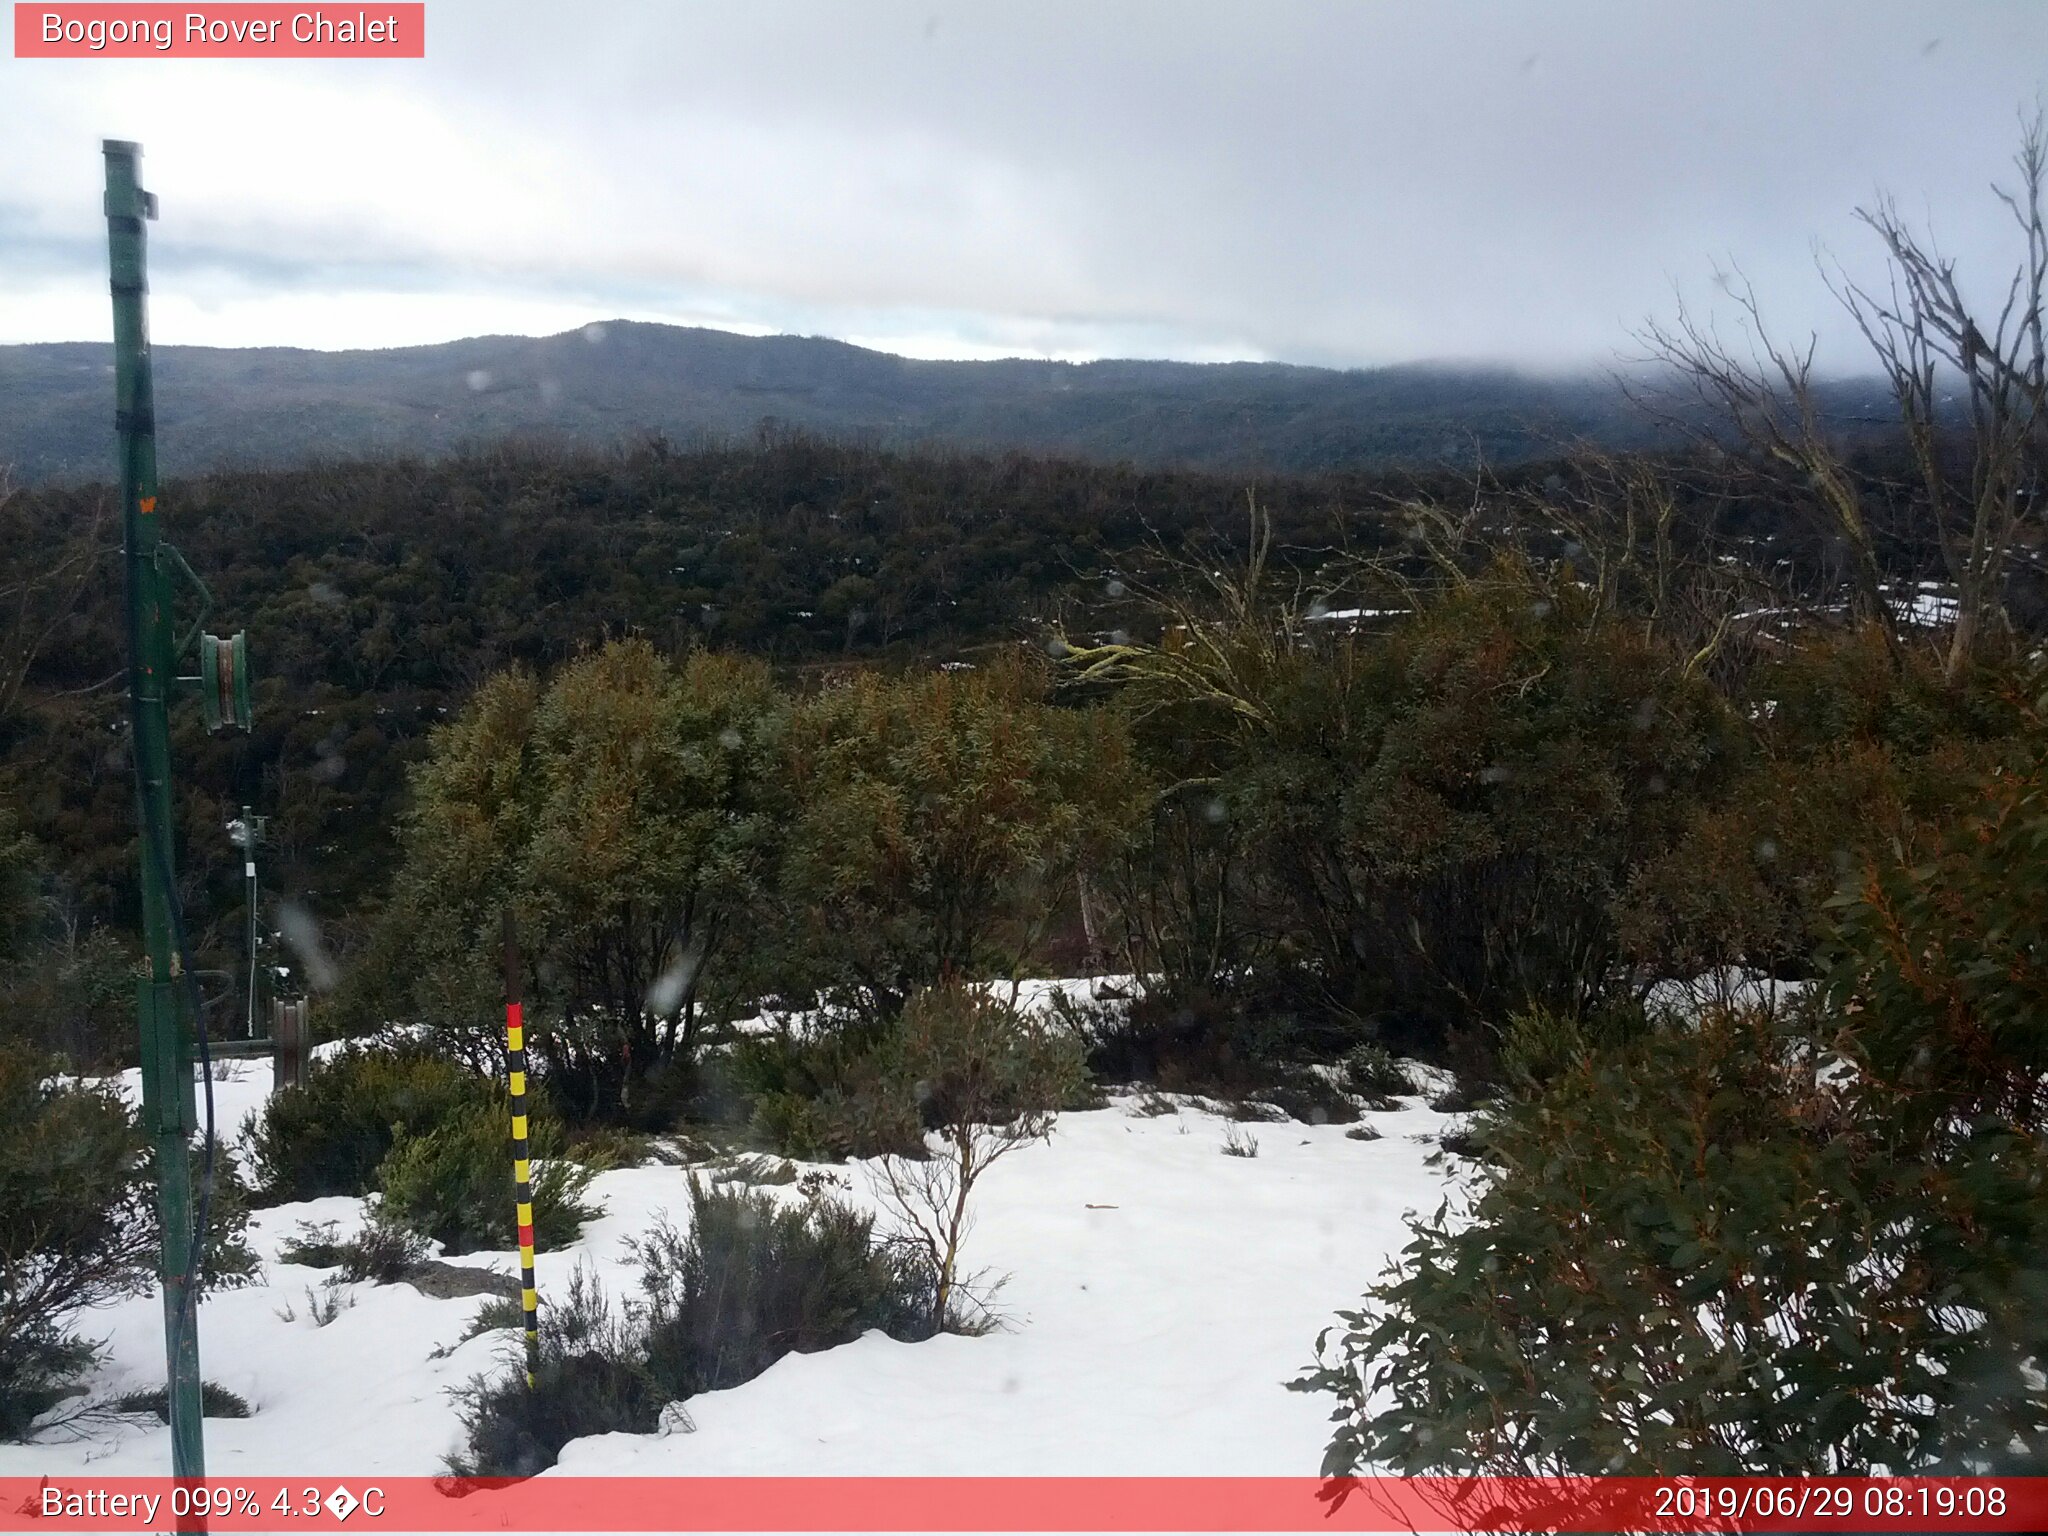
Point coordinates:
pixel 618 380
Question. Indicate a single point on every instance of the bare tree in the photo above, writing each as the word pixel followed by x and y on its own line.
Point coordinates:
pixel 1932 347
pixel 1972 397
pixel 40 589
pixel 1765 390
pixel 983 1080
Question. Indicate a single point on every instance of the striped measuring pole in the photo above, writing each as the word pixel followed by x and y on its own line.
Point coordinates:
pixel 522 1171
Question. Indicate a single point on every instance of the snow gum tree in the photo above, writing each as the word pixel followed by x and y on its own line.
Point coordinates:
pixel 943 823
pixel 628 814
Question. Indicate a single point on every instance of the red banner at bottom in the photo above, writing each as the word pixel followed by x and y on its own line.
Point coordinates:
pixel 919 1504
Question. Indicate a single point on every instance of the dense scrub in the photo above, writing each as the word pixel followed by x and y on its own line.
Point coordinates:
pixel 427 1134
pixel 676 843
pixel 330 1135
pixel 78 1228
pixel 1754 1245
pixel 378 596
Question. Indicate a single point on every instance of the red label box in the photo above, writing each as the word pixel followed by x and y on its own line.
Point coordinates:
pixel 241 31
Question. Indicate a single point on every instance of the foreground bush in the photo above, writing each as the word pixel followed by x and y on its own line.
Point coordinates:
pixel 1738 1248
pixel 79 1227
pixel 1944 961
pixel 76 1231
pixel 453 1182
pixel 329 1136
pixel 751 1281
pixel 591 1380
pixel 755 1279
pixel 979 1080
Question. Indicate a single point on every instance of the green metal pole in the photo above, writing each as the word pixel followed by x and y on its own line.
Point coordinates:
pixel 169 1107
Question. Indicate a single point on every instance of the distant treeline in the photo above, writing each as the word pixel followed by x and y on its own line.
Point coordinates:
pixel 604 384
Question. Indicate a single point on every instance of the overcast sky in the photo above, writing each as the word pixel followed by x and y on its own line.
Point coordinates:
pixel 1349 183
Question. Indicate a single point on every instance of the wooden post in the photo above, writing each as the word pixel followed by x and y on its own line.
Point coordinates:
pixel 290 1044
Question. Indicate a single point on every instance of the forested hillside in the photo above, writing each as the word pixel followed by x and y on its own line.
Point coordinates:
pixel 378 595
pixel 609 383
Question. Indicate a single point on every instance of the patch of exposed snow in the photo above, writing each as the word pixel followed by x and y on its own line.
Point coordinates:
pixel 1159 1296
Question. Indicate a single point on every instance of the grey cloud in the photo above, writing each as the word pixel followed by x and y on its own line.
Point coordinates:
pixel 1327 182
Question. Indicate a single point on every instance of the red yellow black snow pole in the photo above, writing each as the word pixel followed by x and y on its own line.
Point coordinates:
pixel 522 1172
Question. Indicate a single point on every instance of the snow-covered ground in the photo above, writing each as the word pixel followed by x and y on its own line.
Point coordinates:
pixel 1160 1294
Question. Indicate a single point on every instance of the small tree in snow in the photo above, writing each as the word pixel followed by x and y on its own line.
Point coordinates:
pixel 984 1080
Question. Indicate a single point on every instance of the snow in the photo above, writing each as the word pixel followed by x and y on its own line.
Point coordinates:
pixel 1159 1296
pixel 1931 606
pixel 1029 995
pixel 1730 987
pixel 1332 615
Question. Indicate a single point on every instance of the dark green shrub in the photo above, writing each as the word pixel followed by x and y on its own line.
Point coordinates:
pixel 453 1182
pixel 755 1279
pixel 814 1097
pixel 496 1313
pixel 230 1261
pixel 215 1402
pixel 1854 748
pixel 1211 1043
pixel 1700 1252
pixel 1942 961
pixel 1521 757
pixel 1372 1072
pixel 592 1380
pixel 383 1253
pixel 1539 1044
pixel 316 1245
pixel 40 1365
pixel 1312 1099
pixel 77 1227
pixel 609 1146
pixel 74 996
pixel 20 889
pixel 751 1281
pixel 790 1124
pixel 1438 820
pixel 329 1136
